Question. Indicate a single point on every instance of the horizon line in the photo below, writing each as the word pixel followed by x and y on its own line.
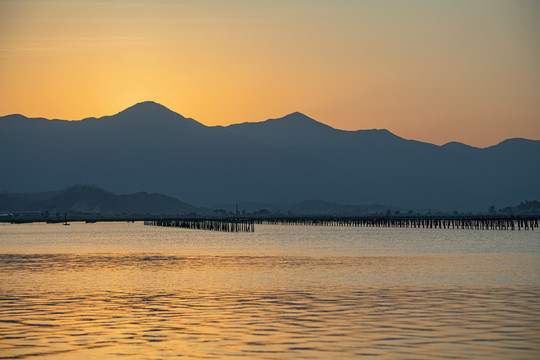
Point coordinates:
pixel 267 119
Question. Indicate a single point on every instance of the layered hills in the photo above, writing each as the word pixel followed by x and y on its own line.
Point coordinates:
pixel 88 199
pixel 288 160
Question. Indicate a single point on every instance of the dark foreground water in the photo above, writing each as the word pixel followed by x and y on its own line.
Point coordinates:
pixel 90 291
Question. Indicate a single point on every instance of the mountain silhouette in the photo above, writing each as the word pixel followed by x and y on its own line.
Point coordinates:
pixel 299 130
pixel 393 170
pixel 148 147
pixel 93 200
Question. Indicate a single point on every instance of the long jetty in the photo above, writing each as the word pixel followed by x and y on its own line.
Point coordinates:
pixel 247 224
pixel 422 222
pixel 226 225
pixel 474 222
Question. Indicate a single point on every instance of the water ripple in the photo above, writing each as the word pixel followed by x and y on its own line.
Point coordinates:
pixel 156 306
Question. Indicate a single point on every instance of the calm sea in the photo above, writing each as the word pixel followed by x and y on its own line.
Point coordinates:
pixel 125 290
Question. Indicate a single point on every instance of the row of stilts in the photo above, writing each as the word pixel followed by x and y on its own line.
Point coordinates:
pixel 248 224
pixel 235 225
pixel 478 223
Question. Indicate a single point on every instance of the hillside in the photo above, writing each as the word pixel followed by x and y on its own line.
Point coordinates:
pixel 147 147
pixel 88 199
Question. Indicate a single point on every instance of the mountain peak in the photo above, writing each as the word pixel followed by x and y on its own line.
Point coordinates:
pixel 283 130
pixel 147 108
pixel 297 114
pixel 297 121
pixel 456 145
pixel 151 113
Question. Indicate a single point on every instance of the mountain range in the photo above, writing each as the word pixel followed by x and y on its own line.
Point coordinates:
pixel 148 147
pixel 88 199
pixel 84 199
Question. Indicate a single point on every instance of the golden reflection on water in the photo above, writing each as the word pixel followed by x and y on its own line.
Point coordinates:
pixel 154 306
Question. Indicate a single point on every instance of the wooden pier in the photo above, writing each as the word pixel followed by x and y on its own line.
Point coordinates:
pixel 427 222
pixel 247 224
pixel 226 225
pixel 473 222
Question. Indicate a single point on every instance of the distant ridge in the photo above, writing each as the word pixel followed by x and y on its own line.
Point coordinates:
pixel 295 120
pixel 457 145
pixel 286 160
pixel 89 199
pixel 310 208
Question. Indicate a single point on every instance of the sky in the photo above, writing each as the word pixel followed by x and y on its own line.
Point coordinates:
pixel 429 70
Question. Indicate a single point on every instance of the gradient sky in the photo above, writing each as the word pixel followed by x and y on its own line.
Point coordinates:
pixel 433 70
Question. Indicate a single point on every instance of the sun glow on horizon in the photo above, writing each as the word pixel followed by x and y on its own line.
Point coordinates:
pixel 431 71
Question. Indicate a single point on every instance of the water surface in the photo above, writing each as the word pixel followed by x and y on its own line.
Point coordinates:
pixel 131 291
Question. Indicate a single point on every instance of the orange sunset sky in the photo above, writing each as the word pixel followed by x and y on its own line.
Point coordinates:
pixel 433 70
